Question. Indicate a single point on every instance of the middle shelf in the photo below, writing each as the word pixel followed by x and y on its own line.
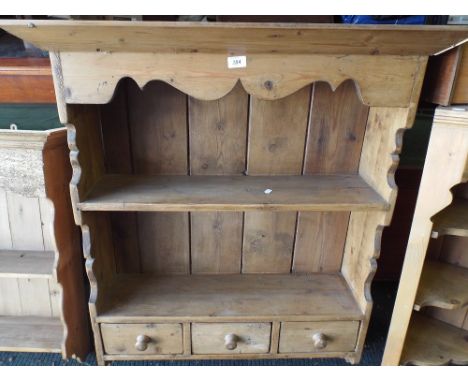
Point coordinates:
pixel 442 285
pixel 146 298
pixel 232 193
pixel 26 264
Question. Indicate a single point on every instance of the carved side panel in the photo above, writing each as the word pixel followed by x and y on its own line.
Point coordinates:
pixel 86 156
pixel 446 165
pixel 379 159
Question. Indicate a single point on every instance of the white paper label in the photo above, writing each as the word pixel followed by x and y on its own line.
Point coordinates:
pixel 237 62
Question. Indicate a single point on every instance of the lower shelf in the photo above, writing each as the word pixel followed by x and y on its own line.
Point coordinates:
pixel 30 334
pixel 29 264
pixel 142 298
pixel 453 220
pixel 442 285
pixel 431 342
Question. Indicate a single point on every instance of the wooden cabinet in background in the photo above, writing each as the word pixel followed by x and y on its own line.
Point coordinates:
pixel 42 290
pixel 430 321
pixel 446 81
pixel 229 211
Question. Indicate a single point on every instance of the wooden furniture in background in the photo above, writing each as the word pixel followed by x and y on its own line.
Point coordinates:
pixel 42 291
pixel 26 80
pixel 436 287
pixel 233 212
pixel 446 82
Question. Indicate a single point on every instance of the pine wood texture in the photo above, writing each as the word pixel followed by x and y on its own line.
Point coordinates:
pixel 212 298
pixel 30 334
pixel 41 272
pixel 395 74
pixel 118 36
pixel 29 264
pixel 337 122
pixel 433 343
pixel 196 145
pixel 159 147
pixel 26 80
pixel 298 337
pixel 446 165
pixel 218 139
pixel 122 338
pixel 442 285
pixel 269 236
pixel 248 338
pixel 231 193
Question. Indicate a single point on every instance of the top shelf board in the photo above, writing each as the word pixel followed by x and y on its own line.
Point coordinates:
pixel 232 193
pixel 236 38
pixel 453 220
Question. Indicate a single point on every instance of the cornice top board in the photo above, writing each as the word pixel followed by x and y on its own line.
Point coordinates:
pixel 236 38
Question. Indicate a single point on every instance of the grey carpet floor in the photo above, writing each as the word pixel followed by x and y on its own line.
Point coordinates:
pixel 383 294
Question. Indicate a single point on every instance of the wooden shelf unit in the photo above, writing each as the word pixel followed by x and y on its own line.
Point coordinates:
pixel 42 297
pixel 233 213
pixel 434 279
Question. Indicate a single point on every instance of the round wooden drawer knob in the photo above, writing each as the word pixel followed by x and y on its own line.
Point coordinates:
pixel 231 341
pixel 320 340
pixel 142 342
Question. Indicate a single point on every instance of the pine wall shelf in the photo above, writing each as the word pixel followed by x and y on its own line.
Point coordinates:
pixel 42 290
pixel 430 320
pixel 233 212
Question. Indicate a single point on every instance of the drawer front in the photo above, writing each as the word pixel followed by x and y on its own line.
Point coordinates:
pixel 142 338
pixel 318 337
pixel 231 338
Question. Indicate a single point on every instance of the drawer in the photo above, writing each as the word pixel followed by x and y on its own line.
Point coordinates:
pixel 142 338
pixel 313 337
pixel 231 338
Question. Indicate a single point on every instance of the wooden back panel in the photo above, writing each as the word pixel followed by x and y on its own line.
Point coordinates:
pixel 159 130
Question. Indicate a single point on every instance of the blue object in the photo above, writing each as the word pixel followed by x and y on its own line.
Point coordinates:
pixel 365 19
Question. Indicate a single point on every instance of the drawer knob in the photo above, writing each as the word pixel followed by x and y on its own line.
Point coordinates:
pixel 231 341
pixel 320 340
pixel 142 342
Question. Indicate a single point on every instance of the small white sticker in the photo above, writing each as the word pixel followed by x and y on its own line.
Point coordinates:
pixel 237 62
pixel 268 191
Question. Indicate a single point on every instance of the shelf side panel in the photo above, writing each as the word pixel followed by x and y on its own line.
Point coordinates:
pixel 158 133
pixel 277 132
pixel 218 139
pixel 379 159
pixel 337 123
